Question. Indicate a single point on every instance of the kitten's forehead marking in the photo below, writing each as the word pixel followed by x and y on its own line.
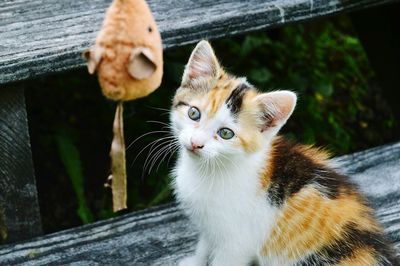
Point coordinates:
pixel 230 93
pixel 235 99
pixel 216 98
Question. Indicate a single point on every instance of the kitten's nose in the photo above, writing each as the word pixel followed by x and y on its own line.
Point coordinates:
pixel 196 145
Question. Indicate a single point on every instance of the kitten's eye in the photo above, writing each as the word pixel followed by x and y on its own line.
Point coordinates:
pixel 194 113
pixel 226 133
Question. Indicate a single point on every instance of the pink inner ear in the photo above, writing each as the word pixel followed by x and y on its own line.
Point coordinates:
pixel 269 121
pixel 195 73
pixel 286 105
pixel 277 106
pixel 202 63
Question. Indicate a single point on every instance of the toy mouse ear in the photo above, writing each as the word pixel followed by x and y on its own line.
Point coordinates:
pixel 93 57
pixel 141 63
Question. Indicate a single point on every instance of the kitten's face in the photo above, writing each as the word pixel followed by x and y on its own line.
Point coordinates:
pixel 217 115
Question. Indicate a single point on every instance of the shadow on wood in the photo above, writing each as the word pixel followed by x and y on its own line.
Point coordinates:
pixel 18 196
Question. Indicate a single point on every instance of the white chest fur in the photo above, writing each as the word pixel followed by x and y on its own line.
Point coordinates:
pixel 226 202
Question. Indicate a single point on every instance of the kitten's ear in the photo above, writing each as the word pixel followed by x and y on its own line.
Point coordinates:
pixel 276 108
pixel 202 64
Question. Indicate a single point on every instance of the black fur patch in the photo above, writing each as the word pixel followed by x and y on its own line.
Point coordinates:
pixel 234 101
pixel 292 170
pixel 344 248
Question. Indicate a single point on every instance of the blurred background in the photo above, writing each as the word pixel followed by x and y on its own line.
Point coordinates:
pixel 340 107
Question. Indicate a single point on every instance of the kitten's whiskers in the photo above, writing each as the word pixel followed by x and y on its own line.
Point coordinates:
pixel 153 150
pixel 146 134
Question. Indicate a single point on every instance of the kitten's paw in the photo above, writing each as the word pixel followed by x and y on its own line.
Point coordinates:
pixel 189 261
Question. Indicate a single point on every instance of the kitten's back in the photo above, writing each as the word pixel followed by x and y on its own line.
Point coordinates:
pixel 323 219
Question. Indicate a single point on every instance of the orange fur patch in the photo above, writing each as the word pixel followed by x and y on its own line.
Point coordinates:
pixel 317 155
pixel 217 96
pixel 249 142
pixel 267 173
pixel 250 136
pixel 310 221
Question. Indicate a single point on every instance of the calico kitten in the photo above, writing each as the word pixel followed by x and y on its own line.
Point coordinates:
pixel 254 196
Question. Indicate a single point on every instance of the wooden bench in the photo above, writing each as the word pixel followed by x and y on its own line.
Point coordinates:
pixel 39 37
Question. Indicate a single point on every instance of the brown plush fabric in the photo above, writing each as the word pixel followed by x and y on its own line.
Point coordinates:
pixel 127 54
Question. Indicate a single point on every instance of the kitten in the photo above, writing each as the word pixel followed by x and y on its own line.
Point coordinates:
pixel 254 196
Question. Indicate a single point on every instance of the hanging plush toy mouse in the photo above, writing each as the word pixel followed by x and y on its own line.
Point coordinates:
pixel 127 57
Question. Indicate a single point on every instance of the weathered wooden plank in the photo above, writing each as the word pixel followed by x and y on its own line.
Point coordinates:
pixel 46 36
pixel 18 196
pixel 162 235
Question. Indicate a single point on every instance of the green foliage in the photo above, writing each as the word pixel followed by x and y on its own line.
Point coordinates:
pixel 70 157
pixel 327 67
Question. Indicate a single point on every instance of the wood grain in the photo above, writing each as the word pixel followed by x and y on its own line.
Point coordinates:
pixel 18 197
pixel 46 36
pixel 162 235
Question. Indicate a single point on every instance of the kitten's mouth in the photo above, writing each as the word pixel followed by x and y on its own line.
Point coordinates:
pixel 195 152
pixel 192 151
